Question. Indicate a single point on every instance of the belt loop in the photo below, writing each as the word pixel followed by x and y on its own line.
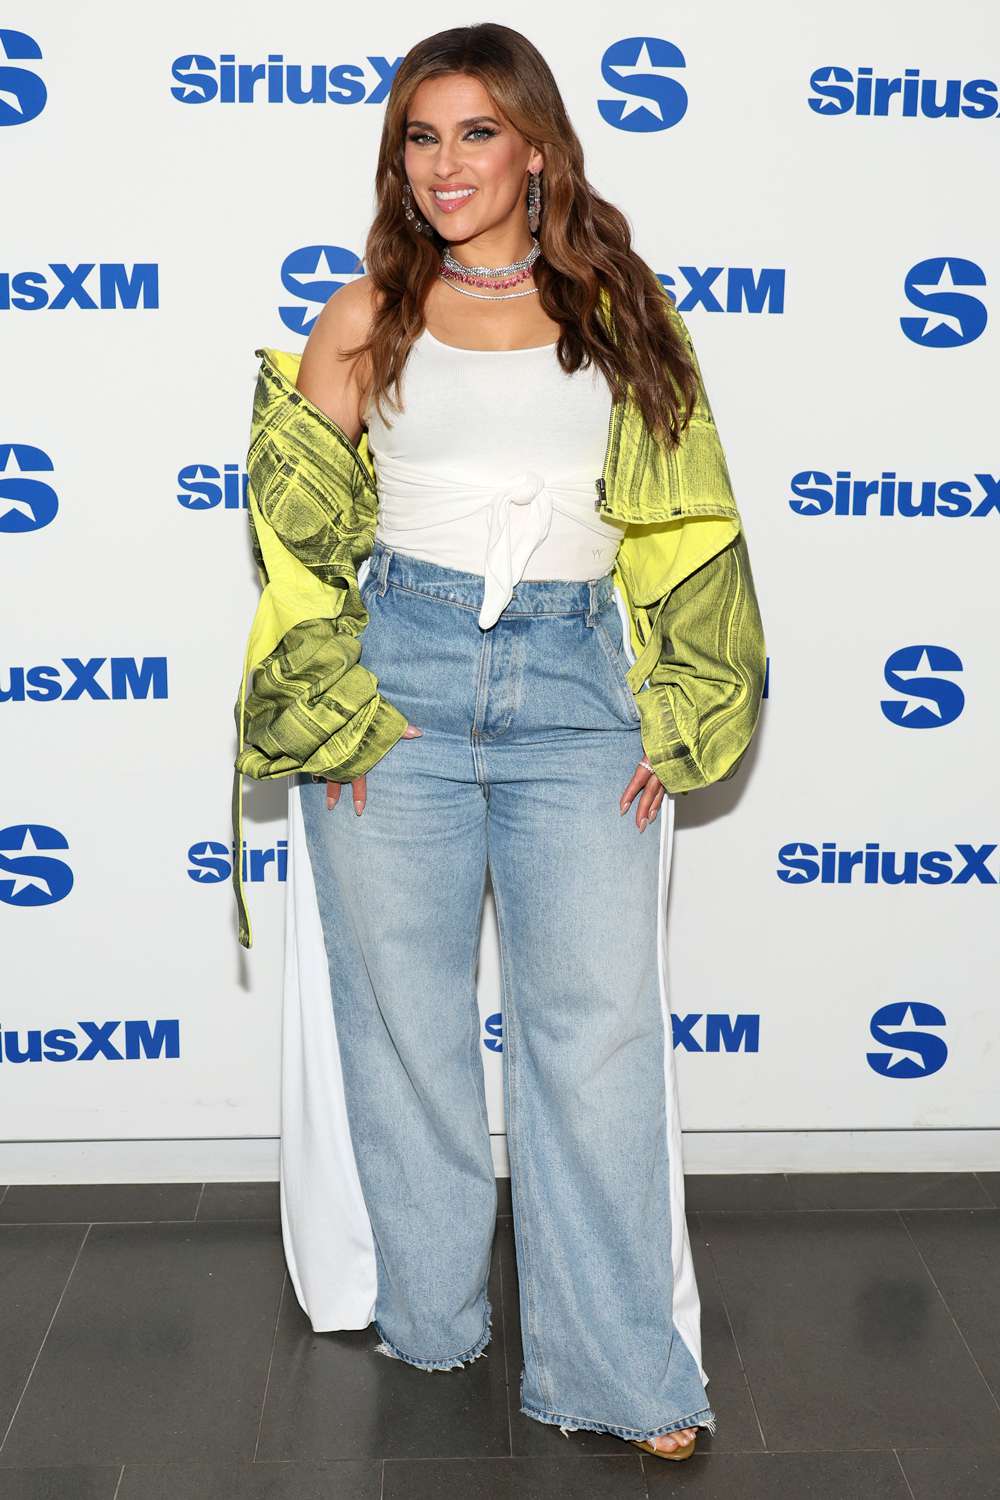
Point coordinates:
pixel 592 610
pixel 383 570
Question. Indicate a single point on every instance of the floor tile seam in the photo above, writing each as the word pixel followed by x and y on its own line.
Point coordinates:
pixel 947 1307
pixel 104 1223
pixel 483 1458
pixel 905 1477
pixel 480 1458
pixel 699 1227
pixel 270 1362
pixel 993 1197
pixel 82 1463
pixel 505 1458
pixel 207 1463
pixel 45 1335
pixel 869 1208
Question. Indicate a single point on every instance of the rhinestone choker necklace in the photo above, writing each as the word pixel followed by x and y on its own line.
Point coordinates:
pixel 494 278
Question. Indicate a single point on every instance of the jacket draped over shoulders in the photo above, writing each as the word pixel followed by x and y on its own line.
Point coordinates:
pixel 308 704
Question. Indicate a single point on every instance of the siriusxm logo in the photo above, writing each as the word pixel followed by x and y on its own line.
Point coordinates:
pixel 914 1052
pixel 493 1040
pixel 22 92
pixel 210 862
pixel 88 1040
pixel 929 699
pixel 26 504
pixel 302 275
pixel 818 493
pixel 117 285
pixel 204 487
pixel 207 80
pixel 953 317
pixel 29 876
pixel 742 290
pixel 642 68
pixel 126 677
pixel 847 91
pixel 720 1033
pixel 802 864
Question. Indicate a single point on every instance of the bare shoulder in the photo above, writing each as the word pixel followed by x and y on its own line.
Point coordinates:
pixel 346 319
pixel 328 376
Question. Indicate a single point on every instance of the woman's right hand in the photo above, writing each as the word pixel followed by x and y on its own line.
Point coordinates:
pixel 359 784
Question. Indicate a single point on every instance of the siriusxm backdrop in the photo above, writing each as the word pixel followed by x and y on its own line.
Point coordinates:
pixel 818 191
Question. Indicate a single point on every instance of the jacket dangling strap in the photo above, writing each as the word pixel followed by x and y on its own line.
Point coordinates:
pixel 243 914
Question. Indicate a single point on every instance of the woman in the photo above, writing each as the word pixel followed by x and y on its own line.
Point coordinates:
pixel 492 477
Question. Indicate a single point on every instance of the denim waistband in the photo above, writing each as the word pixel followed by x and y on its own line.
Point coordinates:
pixel 531 596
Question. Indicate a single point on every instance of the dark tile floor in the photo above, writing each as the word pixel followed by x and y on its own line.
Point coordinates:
pixel 151 1348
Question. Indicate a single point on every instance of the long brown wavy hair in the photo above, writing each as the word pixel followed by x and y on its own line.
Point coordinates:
pixel 585 241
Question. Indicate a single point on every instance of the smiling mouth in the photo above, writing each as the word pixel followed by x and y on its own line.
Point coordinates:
pixel 452 198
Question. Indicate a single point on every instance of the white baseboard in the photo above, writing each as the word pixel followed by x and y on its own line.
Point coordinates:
pixel 256 1159
pixel 738 1151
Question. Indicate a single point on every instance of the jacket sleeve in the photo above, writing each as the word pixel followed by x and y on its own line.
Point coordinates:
pixel 702 703
pixel 705 688
pixel 308 703
pixel 313 707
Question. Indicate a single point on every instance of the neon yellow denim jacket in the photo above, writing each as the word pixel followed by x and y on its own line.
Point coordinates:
pixel 308 704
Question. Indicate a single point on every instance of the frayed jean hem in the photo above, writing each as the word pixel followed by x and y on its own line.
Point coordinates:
pixel 568 1424
pixel 478 1348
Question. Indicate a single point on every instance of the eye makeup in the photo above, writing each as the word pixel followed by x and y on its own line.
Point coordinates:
pixel 480 130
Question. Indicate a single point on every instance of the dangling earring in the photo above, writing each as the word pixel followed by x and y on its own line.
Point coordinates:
pixel 418 224
pixel 534 200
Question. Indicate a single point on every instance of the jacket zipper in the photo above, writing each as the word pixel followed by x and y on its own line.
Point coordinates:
pixel 601 503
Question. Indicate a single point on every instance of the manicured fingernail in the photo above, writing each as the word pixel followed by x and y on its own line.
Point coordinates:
pixel 359 808
pixel 642 823
pixel 623 806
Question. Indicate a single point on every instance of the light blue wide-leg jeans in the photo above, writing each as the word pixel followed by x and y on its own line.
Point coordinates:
pixel 530 735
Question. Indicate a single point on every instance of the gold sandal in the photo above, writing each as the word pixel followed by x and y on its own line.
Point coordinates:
pixel 683 1452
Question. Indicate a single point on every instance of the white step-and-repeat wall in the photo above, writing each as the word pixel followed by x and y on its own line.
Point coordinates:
pixel 817 187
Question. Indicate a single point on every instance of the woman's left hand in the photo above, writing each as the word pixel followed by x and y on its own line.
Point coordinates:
pixel 653 793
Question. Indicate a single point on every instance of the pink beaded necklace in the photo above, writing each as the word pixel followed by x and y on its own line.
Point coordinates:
pixel 492 278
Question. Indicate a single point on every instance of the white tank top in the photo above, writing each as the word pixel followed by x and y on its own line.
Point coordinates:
pixel 491 467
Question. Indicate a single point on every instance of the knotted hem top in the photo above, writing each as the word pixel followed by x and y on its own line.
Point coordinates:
pixel 517 518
